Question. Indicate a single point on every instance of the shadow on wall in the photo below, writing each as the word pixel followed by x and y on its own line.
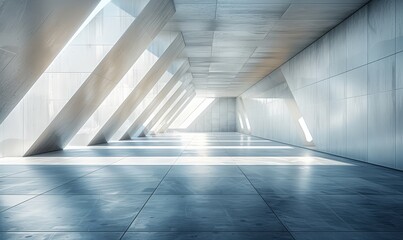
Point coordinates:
pixel 276 110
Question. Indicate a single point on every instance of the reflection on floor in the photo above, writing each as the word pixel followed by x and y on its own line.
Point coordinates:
pixel 197 186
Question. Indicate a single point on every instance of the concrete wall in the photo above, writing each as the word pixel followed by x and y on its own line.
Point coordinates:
pixel 61 80
pixel 269 115
pixel 348 86
pixel 219 116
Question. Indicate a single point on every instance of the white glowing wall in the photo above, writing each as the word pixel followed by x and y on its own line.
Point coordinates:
pixel 60 81
pixel 219 116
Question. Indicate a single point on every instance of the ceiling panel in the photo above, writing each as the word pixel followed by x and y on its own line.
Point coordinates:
pixel 250 12
pixel 203 11
pixel 317 11
pixel 232 44
pixel 225 67
pixel 240 52
pixel 198 38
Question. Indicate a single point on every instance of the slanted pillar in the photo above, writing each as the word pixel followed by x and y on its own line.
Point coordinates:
pixel 175 108
pixel 139 92
pixel 33 34
pixel 105 77
pixel 141 120
pixel 164 127
pixel 178 93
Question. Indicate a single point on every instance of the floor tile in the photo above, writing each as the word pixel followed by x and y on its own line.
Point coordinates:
pixel 73 213
pixel 305 213
pixel 206 213
pixel 208 236
pixel 205 171
pixel 388 182
pixel 7 170
pixel 30 185
pixel 155 161
pixel 99 186
pixel 7 201
pixel 347 235
pixel 60 171
pixel 205 185
pixel 60 235
pixel 368 212
pixel 203 153
pixel 284 171
pixel 323 185
pixel 120 171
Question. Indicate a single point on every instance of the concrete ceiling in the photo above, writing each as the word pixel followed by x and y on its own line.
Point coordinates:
pixel 232 44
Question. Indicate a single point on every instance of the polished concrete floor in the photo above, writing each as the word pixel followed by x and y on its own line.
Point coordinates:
pixel 197 186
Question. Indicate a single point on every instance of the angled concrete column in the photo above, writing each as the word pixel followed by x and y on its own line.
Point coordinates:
pixel 175 111
pixel 163 128
pixel 32 34
pixel 175 108
pixel 139 92
pixel 180 91
pixel 140 121
pixel 166 121
pixel 105 77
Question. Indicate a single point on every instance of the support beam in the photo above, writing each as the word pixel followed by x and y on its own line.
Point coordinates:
pixel 105 77
pixel 32 35
pixel 175 108
pixel 164 127
pixel 180 91
pixel 171 114
pixel 140 121
pixel 139 92
pixel 168 119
